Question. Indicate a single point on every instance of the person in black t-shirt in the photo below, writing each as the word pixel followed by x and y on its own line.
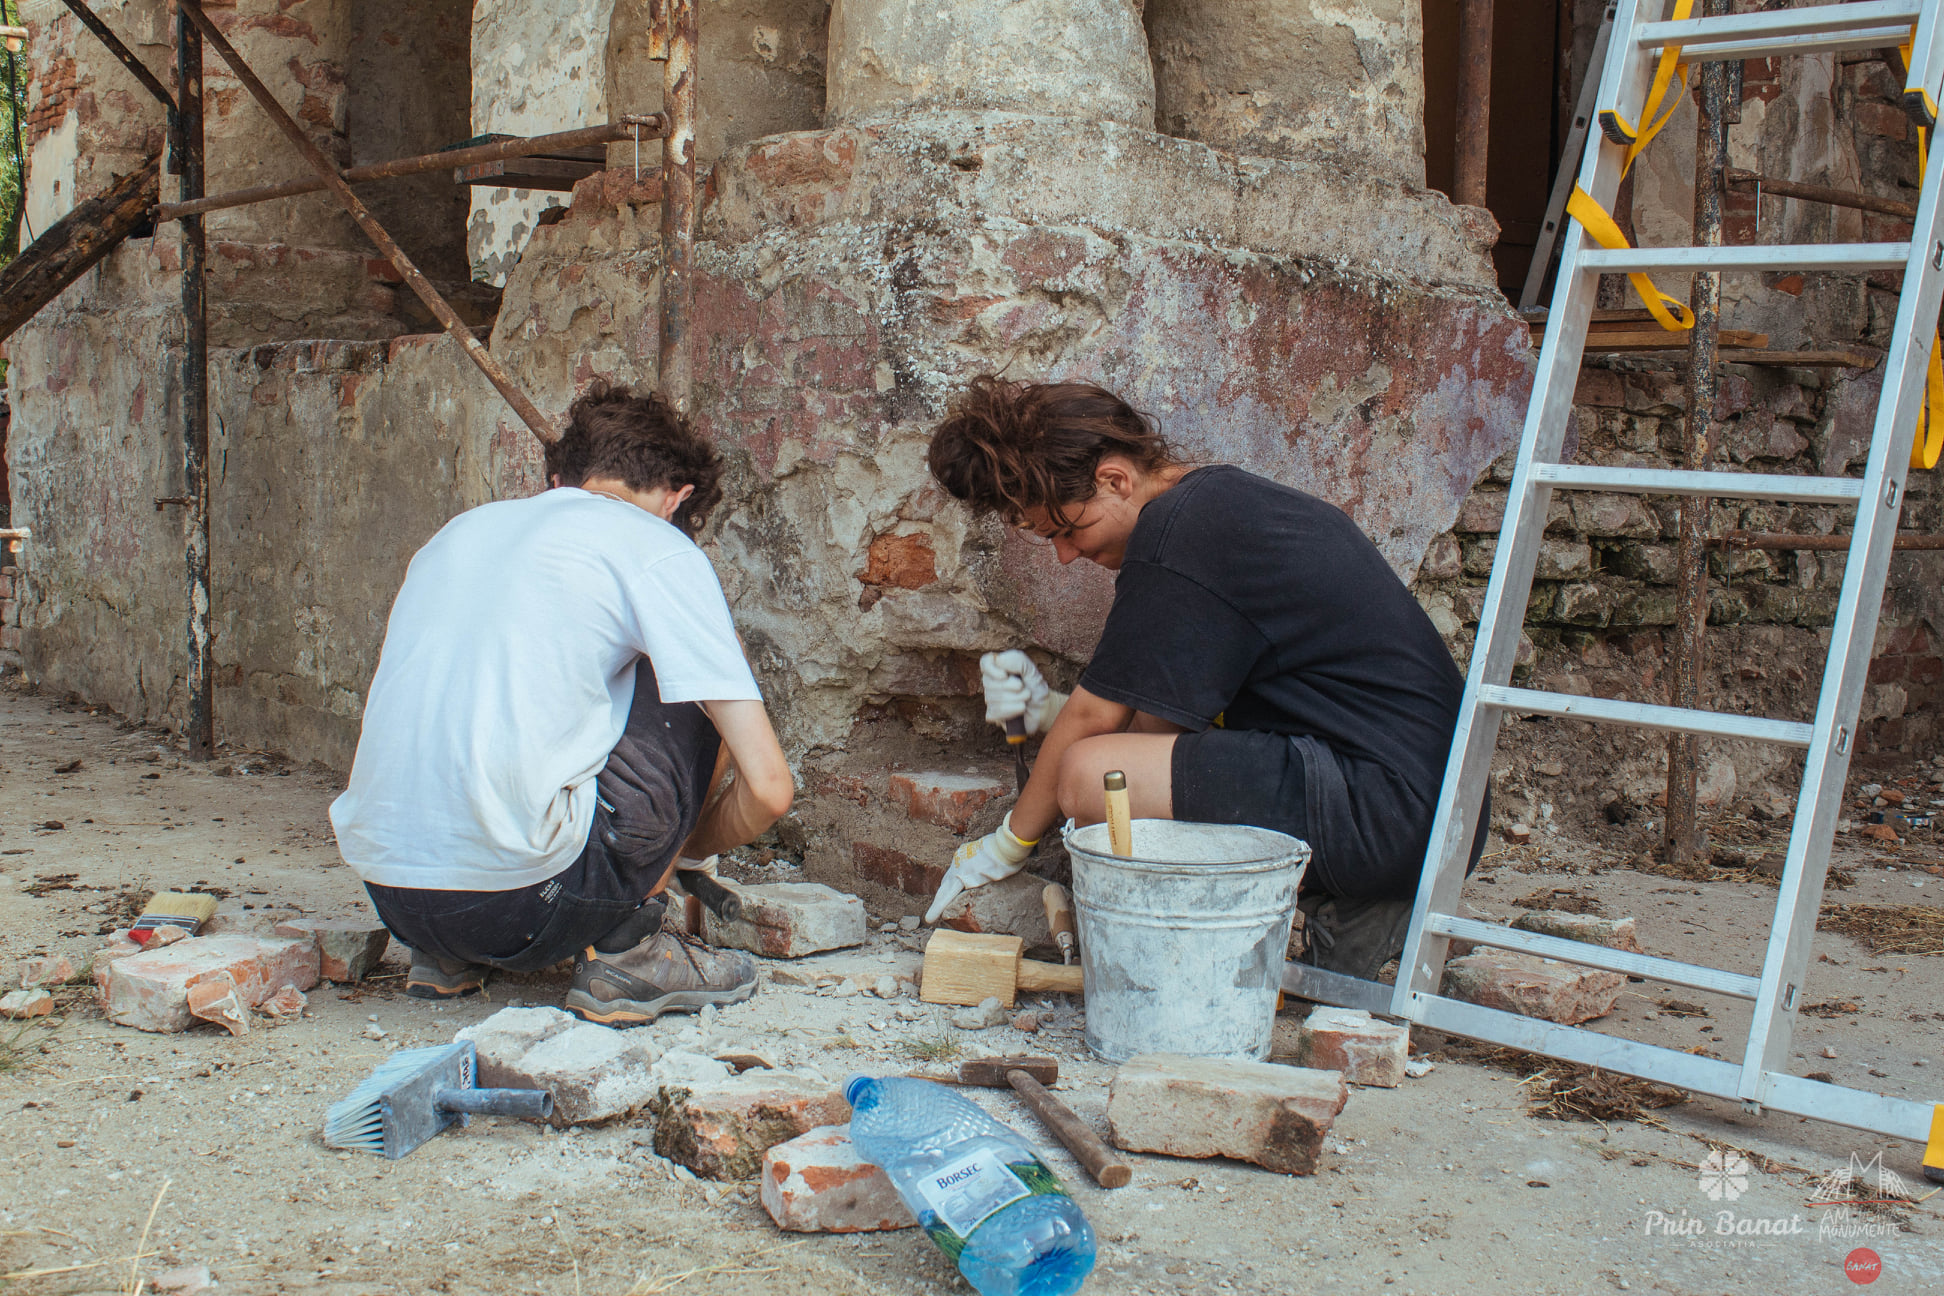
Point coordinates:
pixel 1262 664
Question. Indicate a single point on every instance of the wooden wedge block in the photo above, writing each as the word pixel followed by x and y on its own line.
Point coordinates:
pixel 967 968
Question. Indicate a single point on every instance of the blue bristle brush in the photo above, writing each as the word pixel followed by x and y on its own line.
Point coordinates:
pixel 414 1094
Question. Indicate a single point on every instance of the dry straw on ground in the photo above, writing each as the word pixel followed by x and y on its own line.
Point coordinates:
pixel 1568 1091
pixel 1888 929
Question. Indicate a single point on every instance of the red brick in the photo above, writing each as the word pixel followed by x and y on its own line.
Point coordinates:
pixel 900 562
pixel 817 1183
pixel 1365 1050
pixel 150 990
pixel 897 870
pixel 1275 1116
pixel 54 970
pixel 1882 119
pixel 10 638
pixel 26 1003
pixel 722 1129
pixel 1532 987
pixel 218 1000
pixel 948 800
pixel 6 587
pixel 347 948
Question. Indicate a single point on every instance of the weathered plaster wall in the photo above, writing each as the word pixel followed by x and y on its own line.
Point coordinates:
pixel 1294 78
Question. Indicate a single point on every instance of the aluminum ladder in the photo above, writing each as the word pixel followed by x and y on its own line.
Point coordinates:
pixel 1759 1079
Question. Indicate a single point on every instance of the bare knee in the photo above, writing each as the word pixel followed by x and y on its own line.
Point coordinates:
pixel 1081 769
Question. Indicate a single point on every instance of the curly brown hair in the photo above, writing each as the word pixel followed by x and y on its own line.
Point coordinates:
pixel 1009 447
pixel 641 440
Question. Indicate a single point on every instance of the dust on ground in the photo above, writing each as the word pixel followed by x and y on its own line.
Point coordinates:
pixel 200 1148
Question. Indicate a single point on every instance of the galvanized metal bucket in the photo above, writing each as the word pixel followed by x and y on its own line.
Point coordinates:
pixel 1183 945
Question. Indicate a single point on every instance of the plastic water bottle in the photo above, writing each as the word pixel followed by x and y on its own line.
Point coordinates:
pixel 988 1201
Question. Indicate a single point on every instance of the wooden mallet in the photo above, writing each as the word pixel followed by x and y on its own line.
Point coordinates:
pixel 1028 1077
pixel 967 968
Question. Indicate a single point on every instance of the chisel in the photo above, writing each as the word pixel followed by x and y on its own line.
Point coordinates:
pixel 1016 738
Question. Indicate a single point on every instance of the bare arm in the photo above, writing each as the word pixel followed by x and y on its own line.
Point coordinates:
pixel 761 790
pixel 1084 716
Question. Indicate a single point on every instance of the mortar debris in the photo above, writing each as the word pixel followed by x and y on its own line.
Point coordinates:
pixel 1887 929
pixel 1561 900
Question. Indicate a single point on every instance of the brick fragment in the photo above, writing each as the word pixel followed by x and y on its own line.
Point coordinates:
pixel 150 990
pixel 897 870
pixel 26 1003
pixel 1275 1116
pixel 347 948
pixel 119 946
pixel 286 1004
pixel 789 920
pixel 1012 906
pixel 817 1183
pixel 1532 987
pixel 720 1130
pixel 594 1072
pixel 948 800
pixel 238 918
pixel 1614 933
pixel 217 1000
pixel 1365 1050
pixel 54 970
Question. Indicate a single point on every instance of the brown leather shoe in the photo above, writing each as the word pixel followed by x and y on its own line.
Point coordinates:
pixel 668 972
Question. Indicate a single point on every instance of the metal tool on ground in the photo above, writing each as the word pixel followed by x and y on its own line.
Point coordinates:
pixel 705 889
pixel 1059 920
pixel 1016 739
pixel 967 968
pixel 1760 1077
pixel 415 1093
pixel 1120 821
pixel 1028 1077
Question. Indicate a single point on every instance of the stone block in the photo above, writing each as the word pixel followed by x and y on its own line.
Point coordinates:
pixel 721 1130
pixel 1012 906
pixel 347 948
pixel 1614 933
pixel 119 946
pixel 789 920
pixel 26 1003
pixel 594 1072
pixel 237 918
pixel 897 870
pixel 54 970
pixel 1532 987
pixel 1365 1050
pixel 217 1000
pixel 948 800
pixel 817 1183
pixel 286 1004
pixel 150 990
pixel 1275 1116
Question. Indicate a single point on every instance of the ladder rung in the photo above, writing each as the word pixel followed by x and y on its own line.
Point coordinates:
pixel 1721 485
pixel 1808 20
pixel 1791 257
pixel 1596 956
pixel 1723 51
pixel 1646 715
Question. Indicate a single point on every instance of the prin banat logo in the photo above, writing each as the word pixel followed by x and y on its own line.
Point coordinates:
pixel 1845 1205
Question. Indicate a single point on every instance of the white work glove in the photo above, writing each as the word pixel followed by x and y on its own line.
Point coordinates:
pixel 1015 690
pixel 709 866
pixel 998 854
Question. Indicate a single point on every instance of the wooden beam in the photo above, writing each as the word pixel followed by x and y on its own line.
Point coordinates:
pixel 71 246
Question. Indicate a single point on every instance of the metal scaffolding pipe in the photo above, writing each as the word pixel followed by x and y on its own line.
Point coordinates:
pixel 1469 149
pixel 1820 194
pixel 135 66
pixel 650 126
pixel 440 308
pixel 188 162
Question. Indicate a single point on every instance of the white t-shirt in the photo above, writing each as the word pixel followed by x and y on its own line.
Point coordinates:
pixel 506 678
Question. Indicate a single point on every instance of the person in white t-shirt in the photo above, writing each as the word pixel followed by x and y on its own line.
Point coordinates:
pixel 562 711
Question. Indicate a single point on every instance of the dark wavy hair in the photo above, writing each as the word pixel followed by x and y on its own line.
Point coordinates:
pixel 641 440
pixel 1009 447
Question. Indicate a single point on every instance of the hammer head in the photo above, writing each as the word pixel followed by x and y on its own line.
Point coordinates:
pixel 991 1072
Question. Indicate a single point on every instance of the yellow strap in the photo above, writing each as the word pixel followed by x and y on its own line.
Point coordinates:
pixel 1673 314
pixel 1670 70
pixel 1928 445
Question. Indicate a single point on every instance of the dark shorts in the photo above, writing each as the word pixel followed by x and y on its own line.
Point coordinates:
pixel 1366 832
pixel 650 797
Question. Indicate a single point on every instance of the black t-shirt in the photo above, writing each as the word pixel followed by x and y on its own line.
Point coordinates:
pixel 1251 601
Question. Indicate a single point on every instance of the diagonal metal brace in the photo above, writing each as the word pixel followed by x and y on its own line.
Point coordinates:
pixel 537 422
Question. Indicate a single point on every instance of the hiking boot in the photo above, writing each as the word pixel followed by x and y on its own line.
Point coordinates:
pixel 1353 937
pixel 668 972
pixel 435 978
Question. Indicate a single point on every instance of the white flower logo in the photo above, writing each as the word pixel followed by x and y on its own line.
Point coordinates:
pixel 1724 1175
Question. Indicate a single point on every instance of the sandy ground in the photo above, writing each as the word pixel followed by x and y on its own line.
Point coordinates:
pixel 211 1145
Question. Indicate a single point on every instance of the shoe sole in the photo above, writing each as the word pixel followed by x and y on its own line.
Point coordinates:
pixel 634 1012
pixel 434 990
